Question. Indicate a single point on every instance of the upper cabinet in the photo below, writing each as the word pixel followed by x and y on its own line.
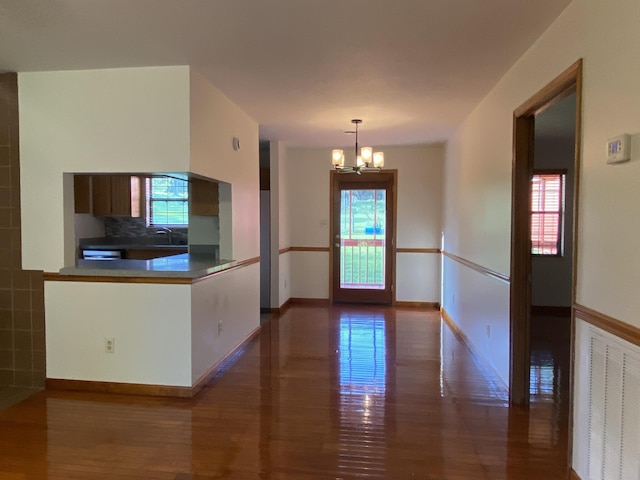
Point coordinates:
pixel 124 195
pixel 108 195
pixel 204 198
pixel 82 193
pixel 117 196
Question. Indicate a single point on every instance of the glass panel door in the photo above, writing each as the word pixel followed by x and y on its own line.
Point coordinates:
pixel 362 235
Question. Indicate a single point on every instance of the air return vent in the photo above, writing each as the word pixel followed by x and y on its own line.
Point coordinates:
pixel 613 408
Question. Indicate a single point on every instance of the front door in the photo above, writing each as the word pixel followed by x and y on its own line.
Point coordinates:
pixel 363 237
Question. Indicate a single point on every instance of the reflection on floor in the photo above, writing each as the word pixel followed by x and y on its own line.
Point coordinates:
pixel 549 372
pixel 10 396
pixel 362 360
pixel 377 393
pixel 550 356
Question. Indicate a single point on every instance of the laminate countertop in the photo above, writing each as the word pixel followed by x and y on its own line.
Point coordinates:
pixel 128 243
pixel 184 265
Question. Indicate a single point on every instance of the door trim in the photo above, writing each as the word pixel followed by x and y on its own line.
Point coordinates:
pixel 394 194
pixel 567 82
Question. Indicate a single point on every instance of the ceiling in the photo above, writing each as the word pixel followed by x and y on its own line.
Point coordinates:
pixel 411 69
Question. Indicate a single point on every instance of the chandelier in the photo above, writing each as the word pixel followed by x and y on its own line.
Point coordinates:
pixel 365 160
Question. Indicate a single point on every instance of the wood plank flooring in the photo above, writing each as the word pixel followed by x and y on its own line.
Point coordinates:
pixel 322 393
pixel 10 396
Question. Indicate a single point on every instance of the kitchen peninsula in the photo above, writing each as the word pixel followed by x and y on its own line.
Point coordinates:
pixel 156 299
pixel 167 334
pixel 169 321
pixel 184 265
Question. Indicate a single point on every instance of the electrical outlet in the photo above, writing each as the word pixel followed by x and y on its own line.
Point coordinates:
pixel 285 284
pixel 219 327
pixel 109 345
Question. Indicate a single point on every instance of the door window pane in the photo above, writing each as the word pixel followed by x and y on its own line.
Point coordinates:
pixel 362 238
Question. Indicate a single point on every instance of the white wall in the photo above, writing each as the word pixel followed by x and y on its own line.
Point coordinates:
pixel 232 297
pixel 419 219
pixel 477 227
pixel 481 320
pixel 595 31
pixel 478 167
pixel 309 274
pixel 204 230
pixel 214 121
pixel 113 120
pixel 419 194
pixel 418 277
pixel 284 278
pixel 150 324
pixel 231 300
pixel 87 226
pixel 280 274
pixel 265 249
pixel 225 220
pixel 307 183
pixel 284 227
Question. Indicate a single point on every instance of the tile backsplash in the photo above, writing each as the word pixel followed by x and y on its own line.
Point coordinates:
pixel 137 227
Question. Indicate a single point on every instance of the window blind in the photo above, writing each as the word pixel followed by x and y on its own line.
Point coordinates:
pixel 547 213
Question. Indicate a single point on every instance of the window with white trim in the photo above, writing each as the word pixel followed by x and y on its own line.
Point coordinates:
pixel 547 213
pixel 167 202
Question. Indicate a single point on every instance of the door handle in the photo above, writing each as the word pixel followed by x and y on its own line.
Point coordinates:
pixel 337 245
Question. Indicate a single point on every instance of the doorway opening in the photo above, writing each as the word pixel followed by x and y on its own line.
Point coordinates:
pixel 265 227
pixel 538 307
pixel 363 237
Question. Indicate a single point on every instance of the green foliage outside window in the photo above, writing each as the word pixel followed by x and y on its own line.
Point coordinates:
pixel 168 201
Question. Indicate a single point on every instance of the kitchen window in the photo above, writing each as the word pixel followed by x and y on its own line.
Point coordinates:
pixel 167 202
pixel 547 212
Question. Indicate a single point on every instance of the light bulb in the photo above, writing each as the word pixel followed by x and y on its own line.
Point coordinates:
pixel 378 159
pixel 366 153
pixel 359 161
pixel 337 158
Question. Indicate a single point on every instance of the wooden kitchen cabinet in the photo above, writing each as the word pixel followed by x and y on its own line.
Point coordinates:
pixel 101 195
pixel 204 198
pixel 82 193
pixel 117 196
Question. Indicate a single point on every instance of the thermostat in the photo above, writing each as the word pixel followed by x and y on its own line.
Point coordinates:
pixel 619 149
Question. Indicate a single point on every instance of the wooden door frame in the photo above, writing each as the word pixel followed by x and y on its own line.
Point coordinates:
pixel 566 83
pixel 332 233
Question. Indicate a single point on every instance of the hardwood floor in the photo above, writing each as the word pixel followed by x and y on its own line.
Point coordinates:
pixel 341 393
pixel 10 396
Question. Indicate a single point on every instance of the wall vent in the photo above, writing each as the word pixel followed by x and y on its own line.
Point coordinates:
pixel 613 409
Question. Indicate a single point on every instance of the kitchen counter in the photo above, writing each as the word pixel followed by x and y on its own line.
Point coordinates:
pixel 128 243
pixel 184 265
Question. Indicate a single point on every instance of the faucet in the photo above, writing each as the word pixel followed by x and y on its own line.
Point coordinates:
pixel 165 231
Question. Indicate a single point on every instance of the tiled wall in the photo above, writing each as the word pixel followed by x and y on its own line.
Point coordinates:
pixel 137 227
pixel 22 345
